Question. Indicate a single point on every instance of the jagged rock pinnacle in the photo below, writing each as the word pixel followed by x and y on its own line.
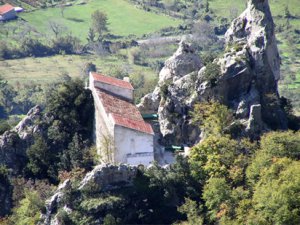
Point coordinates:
pixel 247 83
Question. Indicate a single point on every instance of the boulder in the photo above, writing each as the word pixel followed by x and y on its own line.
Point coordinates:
pixel 184 61
pixel 107 177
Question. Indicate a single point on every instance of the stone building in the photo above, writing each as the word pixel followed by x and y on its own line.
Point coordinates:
pixel 121 134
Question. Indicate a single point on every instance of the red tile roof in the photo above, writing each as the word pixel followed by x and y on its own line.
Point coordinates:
pixel 133 124
pixel 6 8
pixel 112 81
pixel 124 113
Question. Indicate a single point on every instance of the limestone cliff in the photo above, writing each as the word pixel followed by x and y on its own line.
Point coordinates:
pixel 13 143
pixel 103 178
pixel 247 83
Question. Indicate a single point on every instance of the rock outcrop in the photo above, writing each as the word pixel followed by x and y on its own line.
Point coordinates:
pixel 173 97
pixel 251 66
pixel 247 83
pixel 108 177
pixel 13 143
pixel 102 178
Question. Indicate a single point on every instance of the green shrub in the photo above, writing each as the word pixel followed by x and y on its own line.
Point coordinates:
pixel 4 126
pixel 212 73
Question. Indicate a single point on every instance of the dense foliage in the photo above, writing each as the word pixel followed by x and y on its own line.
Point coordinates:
pixel 67 132
pixel 63 145
pixel 224 181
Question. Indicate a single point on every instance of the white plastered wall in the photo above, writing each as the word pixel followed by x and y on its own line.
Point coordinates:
pixel 133 147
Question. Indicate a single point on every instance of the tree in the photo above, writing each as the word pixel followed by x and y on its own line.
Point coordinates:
pixel 193 212
pixel 56 28
pixel 217 196
pixel 211 117
pixel 107 148
pixel 7 95
pixel 213 157
pixel 91 35
pixel 99 23
pixel 287 13
pixel 62 6
pixel 40 158
pixel 276 197
pixel 207 6
pixel 273 145
pixel 28 212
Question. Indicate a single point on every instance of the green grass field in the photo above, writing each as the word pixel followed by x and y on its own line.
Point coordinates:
pixel 49 69
pixel 224 8
pixel 124 18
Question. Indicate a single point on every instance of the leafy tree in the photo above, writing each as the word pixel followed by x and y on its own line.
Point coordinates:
pixel 273 145
pixel 71 107
pixel 77 155
pixel 193 211
pixel 99 23
pixel 207 6
pixel 7 94
pixel 276 196
pixel 40 159
pixel 91 35
pixel 5 190
pixel 211 117
pixel 110 220
pixel 28 212
pixel 217 196
pixel 4 126
pixel 213 157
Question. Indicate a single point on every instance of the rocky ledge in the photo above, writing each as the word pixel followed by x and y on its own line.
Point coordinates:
pixel 247 83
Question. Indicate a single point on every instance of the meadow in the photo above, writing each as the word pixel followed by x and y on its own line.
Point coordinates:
pixel 124 19
pixel 49 69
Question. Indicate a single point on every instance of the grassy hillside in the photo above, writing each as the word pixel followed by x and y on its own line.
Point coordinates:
pixel 49 69
pixel 123 18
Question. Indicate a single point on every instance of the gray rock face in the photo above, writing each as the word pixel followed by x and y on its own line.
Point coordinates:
pixel 107 177
pixel 55 202
pixel 13 143
pixel 252 64
pixel 183 62
pixel 173 111
pixel 102 178
pixel 150 102
pixel 255 123
pixel 174 96
pixel 27 127
pixel 250 69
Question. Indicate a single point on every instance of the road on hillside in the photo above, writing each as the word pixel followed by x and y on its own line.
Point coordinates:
pixel 164 40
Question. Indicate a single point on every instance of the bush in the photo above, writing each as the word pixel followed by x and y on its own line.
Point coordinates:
pixel 66 44
pixel 4 50
pixel 212 73
pixel 4 126
pixel 33 47
pixel 208 57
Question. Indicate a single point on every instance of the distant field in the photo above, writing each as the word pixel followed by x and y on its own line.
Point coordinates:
pixel 124 19
pixel 49 69
pixel 224 8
